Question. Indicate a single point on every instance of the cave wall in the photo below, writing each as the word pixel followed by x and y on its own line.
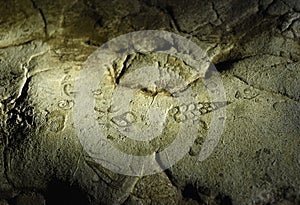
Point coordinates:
pixel 255 46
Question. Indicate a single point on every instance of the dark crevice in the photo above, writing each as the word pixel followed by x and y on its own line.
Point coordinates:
pixel 215 10
pixel 45 21
pixel 166 9
pixel 171 178
pixel 92 43
pixel 267 8
pixel 191 192
pixel 123 71
pixel 35 6
pixel 62 193
pixel 229 63
pixel 169 11
pixel 24 92
pixel 224 200
pixel 204 195
pixel 20 105
pixel 225 65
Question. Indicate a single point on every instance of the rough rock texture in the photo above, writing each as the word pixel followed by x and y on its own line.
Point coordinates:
pixel 254 44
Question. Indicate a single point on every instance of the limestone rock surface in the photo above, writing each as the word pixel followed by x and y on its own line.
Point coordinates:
pixel 255 46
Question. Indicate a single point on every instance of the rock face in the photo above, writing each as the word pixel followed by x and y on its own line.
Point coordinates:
pixel 255 46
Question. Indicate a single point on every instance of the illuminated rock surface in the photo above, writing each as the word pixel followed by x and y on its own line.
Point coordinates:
pixel 253 44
